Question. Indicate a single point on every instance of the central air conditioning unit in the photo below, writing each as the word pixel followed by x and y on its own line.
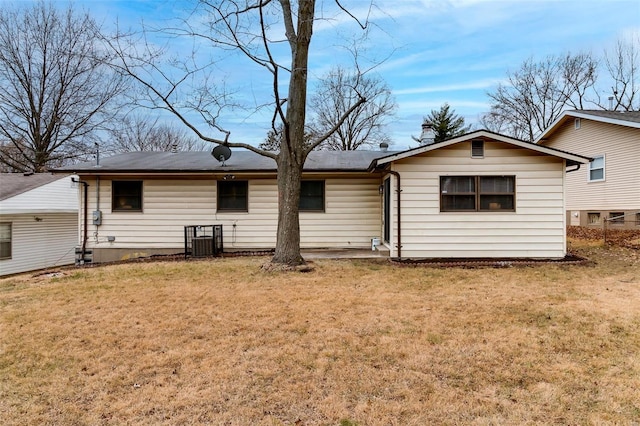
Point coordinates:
pixel 203 240
pixel 203 246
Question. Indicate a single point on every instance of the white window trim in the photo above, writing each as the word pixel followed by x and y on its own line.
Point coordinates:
pixel 10 224
pixel 604 169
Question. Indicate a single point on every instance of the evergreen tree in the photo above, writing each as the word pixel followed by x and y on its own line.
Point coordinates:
pixel 446 123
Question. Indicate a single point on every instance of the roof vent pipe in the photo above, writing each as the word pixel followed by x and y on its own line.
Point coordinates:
pixel 428 135
pixel 97 154
pixel 384 147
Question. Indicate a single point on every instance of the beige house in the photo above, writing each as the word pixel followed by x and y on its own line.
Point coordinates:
pixel 478 195
pixel 607 189
pixel 38 221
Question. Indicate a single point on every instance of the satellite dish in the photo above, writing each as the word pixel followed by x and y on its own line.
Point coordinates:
pixel 221 153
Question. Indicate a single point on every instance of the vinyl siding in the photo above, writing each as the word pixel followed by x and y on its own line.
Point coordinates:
pixel 351 217
pixel 40 244
pixel 535 229
pixel 57 196
pixel 621 146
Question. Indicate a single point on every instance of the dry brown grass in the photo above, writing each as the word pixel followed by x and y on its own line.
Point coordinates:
pixel 353 342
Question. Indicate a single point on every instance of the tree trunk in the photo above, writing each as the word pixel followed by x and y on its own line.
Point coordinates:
pixel 288 236
pixel 292 148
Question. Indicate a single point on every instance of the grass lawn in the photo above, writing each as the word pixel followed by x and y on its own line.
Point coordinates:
pixel 352 342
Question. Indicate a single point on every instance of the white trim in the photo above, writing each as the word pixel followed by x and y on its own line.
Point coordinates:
pixel 10 224
pixel 586 116
pixel 604 166
pixel 479 134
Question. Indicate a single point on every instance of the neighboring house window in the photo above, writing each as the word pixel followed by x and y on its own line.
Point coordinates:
pixel 126 196
pixel 233 196
pixel 616 218
pixel 596 169
pixel 593 218
pixel 5 240
pixel 477 148
pixel 477 193
pixel 312 196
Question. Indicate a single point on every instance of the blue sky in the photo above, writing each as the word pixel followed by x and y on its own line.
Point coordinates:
pixel 434 51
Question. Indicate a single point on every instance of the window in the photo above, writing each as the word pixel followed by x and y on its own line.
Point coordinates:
pixel 596 169
pixel 616 218
pixel 5 240
pixel 477 193
pixel 477 148
pixel 593 218
pixel 312 196
pixel 126 196
pixel 233 196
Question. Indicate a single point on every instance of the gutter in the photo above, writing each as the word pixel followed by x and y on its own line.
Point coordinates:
pixel 84 207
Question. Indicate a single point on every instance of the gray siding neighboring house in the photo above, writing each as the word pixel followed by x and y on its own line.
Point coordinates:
pixel 478 195
pixel 608 187
pixel 38 222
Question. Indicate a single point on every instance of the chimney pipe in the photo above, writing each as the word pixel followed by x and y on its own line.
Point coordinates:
pixel 428 135
pixel 97 154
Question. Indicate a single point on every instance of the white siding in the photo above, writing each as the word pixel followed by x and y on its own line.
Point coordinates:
pixel 351 217
pixel 38 244
pixel 535 229
pixel 621 146
pixel 57 196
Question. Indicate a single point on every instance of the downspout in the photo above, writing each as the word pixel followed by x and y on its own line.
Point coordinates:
pixel 573 170
pixel 85 228
pixel 398 190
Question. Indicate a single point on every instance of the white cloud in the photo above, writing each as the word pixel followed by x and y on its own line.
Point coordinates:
pixel 455 87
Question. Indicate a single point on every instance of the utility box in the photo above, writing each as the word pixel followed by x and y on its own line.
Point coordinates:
pixel 97 217
pixel 375 242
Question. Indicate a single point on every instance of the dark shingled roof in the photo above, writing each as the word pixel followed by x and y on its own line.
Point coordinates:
pixel 632 116
pixel 240 161
pixel 12 184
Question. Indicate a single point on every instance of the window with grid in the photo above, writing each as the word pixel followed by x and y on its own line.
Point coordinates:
pixel 477 193
pixel 312 196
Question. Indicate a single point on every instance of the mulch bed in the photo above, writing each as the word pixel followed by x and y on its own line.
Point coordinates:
pixel 570 259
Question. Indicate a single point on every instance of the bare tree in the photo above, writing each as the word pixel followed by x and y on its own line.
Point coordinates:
pixel 54 85
pixel 536 94
pixel 338 91
pixel 141 133
pixel 497 124
pixel 623 67
pixel 276 137
pixel 249 27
